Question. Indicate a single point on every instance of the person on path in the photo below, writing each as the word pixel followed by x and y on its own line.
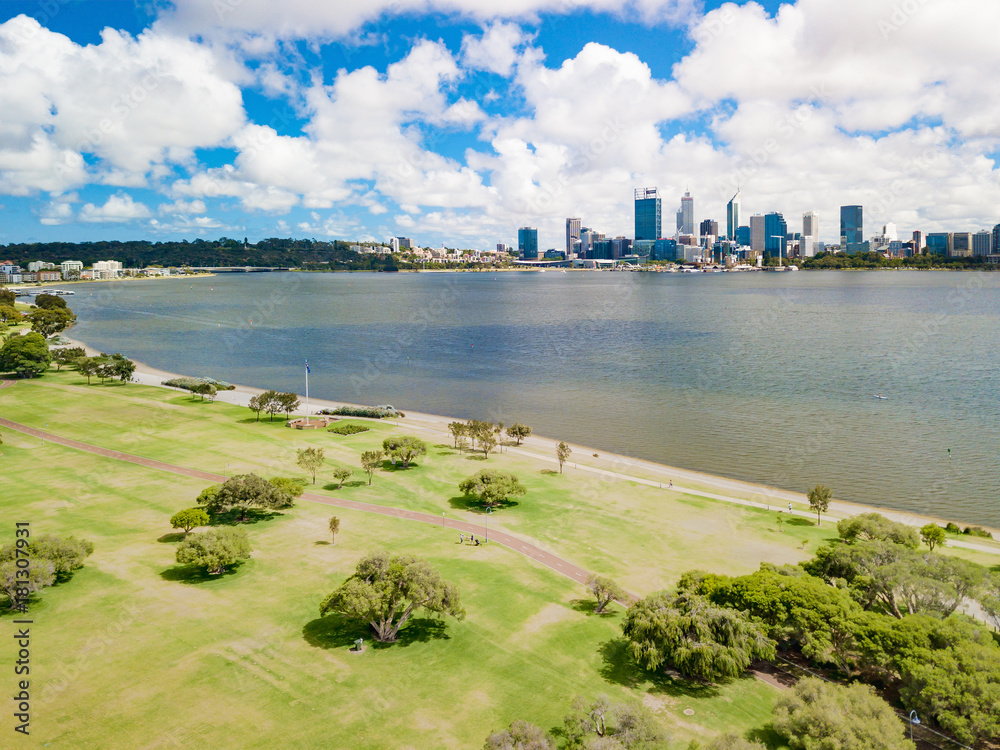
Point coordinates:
pixel 671 484
pixel 461 538
pixel 789 507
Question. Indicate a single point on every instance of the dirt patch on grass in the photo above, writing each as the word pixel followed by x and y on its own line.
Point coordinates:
pixel 549 614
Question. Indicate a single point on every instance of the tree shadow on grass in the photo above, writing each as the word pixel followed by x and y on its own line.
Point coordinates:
pixel 586 606
pixel 475 457
pixel 337 631
pixel 473 505
pixel 548 471
pixel 767 736
pixel 175 536
pixel 192 575
pixel 232 517
pixel 391 467
pixel 620 668
pixel 798 521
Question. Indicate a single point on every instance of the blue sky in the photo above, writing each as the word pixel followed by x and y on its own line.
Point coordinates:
pixel 454 122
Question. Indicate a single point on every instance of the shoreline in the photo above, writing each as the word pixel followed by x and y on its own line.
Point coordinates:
pixel 602 463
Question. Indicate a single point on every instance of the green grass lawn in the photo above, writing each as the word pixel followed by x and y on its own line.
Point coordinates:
pixel 134 653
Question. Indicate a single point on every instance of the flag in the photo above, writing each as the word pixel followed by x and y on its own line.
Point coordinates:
pixel 307 367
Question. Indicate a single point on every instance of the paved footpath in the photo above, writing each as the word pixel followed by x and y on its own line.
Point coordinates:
pixel 537 554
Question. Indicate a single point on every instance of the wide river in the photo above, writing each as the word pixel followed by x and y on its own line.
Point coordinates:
pixel 762 377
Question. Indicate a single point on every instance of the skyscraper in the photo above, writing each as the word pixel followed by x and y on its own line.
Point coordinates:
pixel 647 214
pixel 852 230
pixel 996 239
pixel 810 225
pixel 572 234
pixel 733 216
pixel 775 235
pixel 527 243
pixel 687 214
pixel 709 228
pixel 982 243
pixel 757 233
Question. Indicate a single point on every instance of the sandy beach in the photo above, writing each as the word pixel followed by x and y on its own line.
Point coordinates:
pixel 599 463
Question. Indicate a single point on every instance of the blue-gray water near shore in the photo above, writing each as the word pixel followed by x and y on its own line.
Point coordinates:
pixel 763 377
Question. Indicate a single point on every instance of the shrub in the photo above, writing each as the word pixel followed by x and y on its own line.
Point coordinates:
pixel 952 528
pixel 190 384
pixel 349 429
pixel 372 412
pixel 977 531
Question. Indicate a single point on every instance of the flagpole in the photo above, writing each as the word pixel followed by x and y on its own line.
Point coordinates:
pixel 307 391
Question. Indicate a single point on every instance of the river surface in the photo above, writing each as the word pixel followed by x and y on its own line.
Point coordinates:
pixel 761 377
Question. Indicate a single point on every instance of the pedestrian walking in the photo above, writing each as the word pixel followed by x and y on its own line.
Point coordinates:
pixel 789 507
pixel 671 484
pixel 461 538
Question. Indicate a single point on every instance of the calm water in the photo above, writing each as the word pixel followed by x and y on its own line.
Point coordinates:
pixel 763 377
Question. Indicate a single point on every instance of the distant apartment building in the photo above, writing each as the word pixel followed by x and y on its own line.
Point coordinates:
pixel 47 275
pixel 503 247
pixel 40 265
pixel 573 226
pixel 648 214
pixel 71 269
pixel 982 243
pixel 996 239
pixel 939 243
pixel 106 269
pixel 527 243
pixel 852 227
pixel 961 245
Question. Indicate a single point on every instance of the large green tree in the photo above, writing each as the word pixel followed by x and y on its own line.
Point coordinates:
pixel 19 583
pixel 693 636
pixel 288 402
pixel 65 553
pixel 404 448
pixel 386 590
pixel 50 302
pixel 604 590
pixel 67 355
pixel 492 487
pixel 604 725
pixel 215 549
pixel 520 735
pixel 370 461
pixel 932 535
pixel 816 715
pixel 875 526
pixel 245 491
pixel 518 431
pixel 50 322
pixel 26 356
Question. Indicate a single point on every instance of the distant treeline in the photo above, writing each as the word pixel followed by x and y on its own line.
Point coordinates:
pixel 877 260
pixel 336 255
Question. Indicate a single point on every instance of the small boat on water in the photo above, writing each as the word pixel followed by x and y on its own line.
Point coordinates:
pixel 880 396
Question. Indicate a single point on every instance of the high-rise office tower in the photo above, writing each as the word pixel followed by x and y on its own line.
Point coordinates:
pixel 527 243
pixel 709 228
pixel 572 234
pixel 996 239
pixel 961 245
pixel 647 214
pixel 733 216
pixel 852 229
pixel 687 214
pixel 775 235
pixel 982 243
pixel 918 241
pixel 757 234
pixel 889 233
pixel 810 225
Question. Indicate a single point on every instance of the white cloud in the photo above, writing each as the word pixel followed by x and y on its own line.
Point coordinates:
pixel 496 50
pixel 118 208
pixel 135 103
pixel 292 19
pixel 182 207
pixel 59 210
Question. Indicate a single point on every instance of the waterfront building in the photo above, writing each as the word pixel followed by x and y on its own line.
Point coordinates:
pixel 961 245
pixel 852 229
pixel 643 249
pixel 743 236
pixel 996 239
pixel 687 214
pixel 527 243
pixel 601 249
pixel 587 239
pixel 106 269
pixel 810 225
pixel 733 216
pixel 939 243
pixel 982 243
pixel 647 214
pixel 757 233
pixel 621 246
pixel 775 234
pixel 572 235
pixel 71 269
pixel 664 249
pixel 918 241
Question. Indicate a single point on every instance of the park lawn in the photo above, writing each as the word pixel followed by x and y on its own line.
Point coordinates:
pixel 133 652
pixel 643 536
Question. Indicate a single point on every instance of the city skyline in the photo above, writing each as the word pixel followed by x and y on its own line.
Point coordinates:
pixel 456 124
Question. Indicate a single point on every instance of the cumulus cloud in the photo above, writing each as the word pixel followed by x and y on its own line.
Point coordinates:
pixel 133 103
pixel 496 50
pixel 119 208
